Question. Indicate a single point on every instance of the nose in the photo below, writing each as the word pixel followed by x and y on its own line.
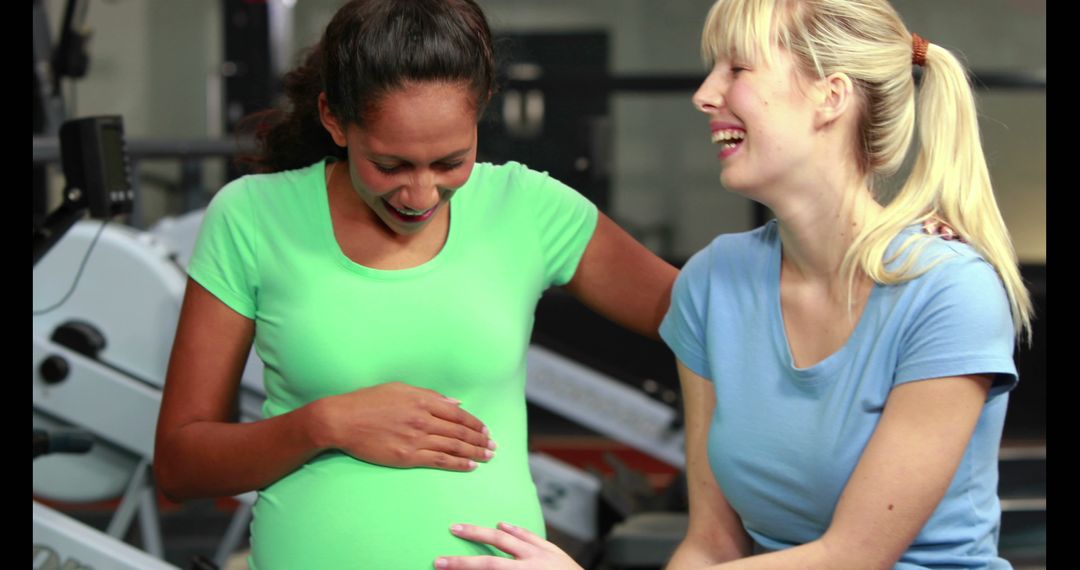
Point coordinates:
pixel 709 98
pixel 422 193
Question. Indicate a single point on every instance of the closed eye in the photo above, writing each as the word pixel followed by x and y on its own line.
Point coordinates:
pixel 387 169
pixel 398 168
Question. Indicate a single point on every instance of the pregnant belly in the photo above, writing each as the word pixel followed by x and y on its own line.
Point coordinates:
pixel 337 512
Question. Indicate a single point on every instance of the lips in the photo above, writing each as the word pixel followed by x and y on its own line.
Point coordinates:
pixel 729 149
pixel 728 136
pixel 409 218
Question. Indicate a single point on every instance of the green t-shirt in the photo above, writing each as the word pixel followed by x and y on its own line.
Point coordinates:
pixel 459 324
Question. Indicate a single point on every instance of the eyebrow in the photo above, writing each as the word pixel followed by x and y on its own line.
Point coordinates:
pixel 452 156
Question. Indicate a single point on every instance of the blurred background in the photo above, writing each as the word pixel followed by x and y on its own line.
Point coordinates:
pixel 598 94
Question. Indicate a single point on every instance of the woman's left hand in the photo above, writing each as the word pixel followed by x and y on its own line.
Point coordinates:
pixel 530 552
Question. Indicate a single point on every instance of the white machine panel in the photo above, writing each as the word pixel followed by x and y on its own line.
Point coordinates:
pixel 603 404
pixel 62 542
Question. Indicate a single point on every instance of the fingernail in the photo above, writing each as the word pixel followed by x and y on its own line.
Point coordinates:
pixel 492 445
pixel 453 401
pixel 456 528
pixel 486 431
pixel 488 454
pixel 472 464
pixel 508 526
pixel 442 563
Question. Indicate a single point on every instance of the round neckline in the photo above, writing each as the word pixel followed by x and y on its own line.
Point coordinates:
pixel 330 239
pixel 825 367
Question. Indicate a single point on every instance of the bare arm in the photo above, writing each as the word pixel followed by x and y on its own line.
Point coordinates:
pixel 622 280
pixel 904 472
pixel 200 451
pixel 716 533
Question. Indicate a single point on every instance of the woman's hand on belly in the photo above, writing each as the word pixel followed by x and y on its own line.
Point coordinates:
pixel 398 425
pixel 530 552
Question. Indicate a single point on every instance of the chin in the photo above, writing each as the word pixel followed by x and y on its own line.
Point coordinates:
pixel 402 230
pixel 731 183
pixel 396 227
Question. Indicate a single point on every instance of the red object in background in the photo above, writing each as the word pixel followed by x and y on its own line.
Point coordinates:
pixel 587 453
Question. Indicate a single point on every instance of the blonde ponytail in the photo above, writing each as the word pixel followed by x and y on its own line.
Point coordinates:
pixel 949 184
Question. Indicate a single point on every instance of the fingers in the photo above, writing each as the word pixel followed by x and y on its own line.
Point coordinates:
pixel 439 460
pixel 449 453
pixel 449 409
pixel 498 538
pixel 458 432
pixel 525 535
pixel 530 552
pixel 452 412
pixel 473 563
pixel 436 432
pixel 457 448
pixel 453 422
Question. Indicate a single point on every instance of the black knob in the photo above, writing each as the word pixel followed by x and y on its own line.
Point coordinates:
pixel 80 336
pixel 63 441
pixel 55 369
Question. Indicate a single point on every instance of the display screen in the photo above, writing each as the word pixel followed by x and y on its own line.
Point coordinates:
pixel 112 154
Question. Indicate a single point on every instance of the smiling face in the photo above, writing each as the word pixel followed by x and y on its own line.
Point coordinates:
pixel 416 149
pixel 762 118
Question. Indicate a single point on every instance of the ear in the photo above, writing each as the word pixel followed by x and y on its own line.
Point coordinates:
pixel 835 98
pixel 330 122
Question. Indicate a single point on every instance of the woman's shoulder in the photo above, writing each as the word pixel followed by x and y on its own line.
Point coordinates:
pixel 936 255
pixel 732 257
pixel 270 181
pixel 249 189
pixel 951 277
pixel 506 175
pixel 514 187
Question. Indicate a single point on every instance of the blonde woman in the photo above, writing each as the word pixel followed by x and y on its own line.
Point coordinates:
pixel 846 366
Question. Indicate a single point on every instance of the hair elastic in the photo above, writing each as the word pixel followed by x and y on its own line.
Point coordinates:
pixel 918 49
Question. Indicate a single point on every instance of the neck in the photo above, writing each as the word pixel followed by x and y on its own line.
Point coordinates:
pixel 817 230
pixel 344 201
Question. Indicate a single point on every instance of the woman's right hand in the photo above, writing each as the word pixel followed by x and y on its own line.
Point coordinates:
pixel 399 425
pixel 200 451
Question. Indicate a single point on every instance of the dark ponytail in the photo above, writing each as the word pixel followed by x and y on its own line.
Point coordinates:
pixel 369 49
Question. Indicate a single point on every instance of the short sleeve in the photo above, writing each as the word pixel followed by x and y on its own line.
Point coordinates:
pixel 565 220
pixel 224 260
pixel 963 326
pixel 684 325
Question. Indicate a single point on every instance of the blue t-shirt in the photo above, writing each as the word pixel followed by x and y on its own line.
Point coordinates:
pixel 785 440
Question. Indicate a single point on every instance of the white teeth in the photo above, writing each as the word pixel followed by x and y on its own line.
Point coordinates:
pixel 728 135
pixel 407 211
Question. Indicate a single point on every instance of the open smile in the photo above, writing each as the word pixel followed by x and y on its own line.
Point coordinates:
pixel 729 140
pixel 410 216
